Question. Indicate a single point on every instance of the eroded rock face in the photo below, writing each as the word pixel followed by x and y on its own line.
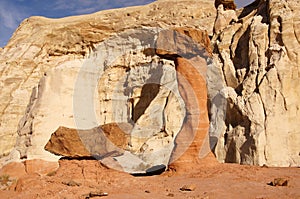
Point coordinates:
pixel 48 47
pixel 258 56
pixel 224 18
pixel 137 86
pixel 147 71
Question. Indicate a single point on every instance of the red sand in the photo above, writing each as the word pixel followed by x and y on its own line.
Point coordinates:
pixel 77 178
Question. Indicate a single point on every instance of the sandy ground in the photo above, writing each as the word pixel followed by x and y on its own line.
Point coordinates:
pixel 83 178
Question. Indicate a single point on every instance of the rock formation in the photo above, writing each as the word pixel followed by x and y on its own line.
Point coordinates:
pixel 153 105
pixel 143 86
pixel 258 57
pixel 47 49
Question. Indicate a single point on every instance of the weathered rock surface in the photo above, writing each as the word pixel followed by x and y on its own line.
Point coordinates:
pixel 192 142
pixel 50 47
pixel 66 142
pixel 259 58
pixel 119 86
pixel 108 139
pixel 224 18
pixel 149 67
pixel 150 104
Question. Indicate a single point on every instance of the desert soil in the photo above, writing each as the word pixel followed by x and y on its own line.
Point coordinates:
pixel 83 178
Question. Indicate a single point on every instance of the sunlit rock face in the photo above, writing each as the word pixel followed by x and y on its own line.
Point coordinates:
pixel 258 55
pixel 36 99
pixel 133 86
pixel 128 81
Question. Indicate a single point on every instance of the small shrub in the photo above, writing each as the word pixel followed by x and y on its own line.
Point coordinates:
pixel 4 179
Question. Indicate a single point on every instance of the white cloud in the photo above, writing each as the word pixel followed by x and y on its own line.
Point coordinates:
pixel 85 10
pixel 11 15
pixel 72 5
pixel 89 6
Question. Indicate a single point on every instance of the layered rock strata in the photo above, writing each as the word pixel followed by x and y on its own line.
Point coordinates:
pixel 41 47
pixel 143 67
pixel 258 55
pixel 139 86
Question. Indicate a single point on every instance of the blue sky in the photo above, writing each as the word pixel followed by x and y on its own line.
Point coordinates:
pixel 13 12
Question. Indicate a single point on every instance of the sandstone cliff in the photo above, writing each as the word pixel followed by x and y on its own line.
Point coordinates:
pixel 133 66
pixel 259 57
pixel 110 52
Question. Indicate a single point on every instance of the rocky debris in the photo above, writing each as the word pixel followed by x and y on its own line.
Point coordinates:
pixel 279 182
pixel 95 177
pixel 190 187
pixel 71 183
pixel 95 194
pixel 12 175
pixel 90 170
pixel 29 167
pixel 51 173
pixel 14 169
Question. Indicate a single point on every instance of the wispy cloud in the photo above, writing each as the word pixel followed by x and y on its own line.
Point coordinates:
pixel 11 15
pixel 72 5
pixel 85 10
pixel 89 6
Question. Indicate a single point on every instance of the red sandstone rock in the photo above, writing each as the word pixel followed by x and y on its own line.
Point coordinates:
pixel 40 167
pixel 65 141
pixel 183 42
pixel 191 139
pixel 105 140
pixel 14 169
